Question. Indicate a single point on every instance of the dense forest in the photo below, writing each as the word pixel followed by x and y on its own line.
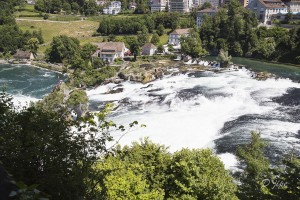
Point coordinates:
pixel 235 29
pixel 53 156
pixel 12 38
pixel 132 25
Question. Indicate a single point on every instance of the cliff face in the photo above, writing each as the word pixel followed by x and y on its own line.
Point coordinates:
pixel 67 98
pixel 143 73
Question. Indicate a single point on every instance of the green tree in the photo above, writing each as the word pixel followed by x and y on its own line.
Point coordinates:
pixel 155 39
pixel 266 48
pixel 143 36
pixel 135 48
pixel 63 48
pixel 67 7
pixel 154 157
pixel 160 30
pixel 160 48
pixel 121 180
pixel 170 48
pixel 191 45
pixel 256 169
pixel 45 147
pixel 224 58
pixel 198 174
pixel 287 179
pixel 56 6
pixel 87 50
pixel 206 5
pixel 33 45
pixel 75 7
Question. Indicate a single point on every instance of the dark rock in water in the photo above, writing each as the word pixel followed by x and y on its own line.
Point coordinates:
pixel 197 74
pixel 155 90
pixel 96 105
pixel 125 101
pixel 114 91
pixel 187 94
pixel 291 98
pixel 150 85
pixel 298 135
pixel 158 97
pixel 122 76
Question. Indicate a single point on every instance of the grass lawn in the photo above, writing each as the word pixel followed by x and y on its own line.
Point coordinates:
pixel 101 17
pixel 81 30
pixel 26 7
pixel 163 39
pixel 77 29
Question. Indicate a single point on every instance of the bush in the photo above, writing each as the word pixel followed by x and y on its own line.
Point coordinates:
pixel 46 16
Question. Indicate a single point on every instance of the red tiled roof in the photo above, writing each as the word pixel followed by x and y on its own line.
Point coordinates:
pixel 181 31
pixel 110 46
pixel 272 3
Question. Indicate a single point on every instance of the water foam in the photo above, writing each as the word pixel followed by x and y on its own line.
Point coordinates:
pixel 182 111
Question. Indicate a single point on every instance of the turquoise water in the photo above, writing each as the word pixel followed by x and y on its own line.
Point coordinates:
pixel 28 81
pixel 281 70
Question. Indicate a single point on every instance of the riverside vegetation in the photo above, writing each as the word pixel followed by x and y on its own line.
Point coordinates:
pixel 55 157
pixel 50 153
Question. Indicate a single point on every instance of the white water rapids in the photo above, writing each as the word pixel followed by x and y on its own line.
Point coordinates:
pixel 190 110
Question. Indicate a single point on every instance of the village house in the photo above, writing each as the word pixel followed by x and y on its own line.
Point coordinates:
pixel 149 49
pixel 206 12
pixel 174 37
pixel 109 51
pixel 113 9
pixel 23 55
pixel 267 10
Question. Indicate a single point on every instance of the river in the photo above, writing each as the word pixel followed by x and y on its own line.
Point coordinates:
pixel 194 110
pixel 27 83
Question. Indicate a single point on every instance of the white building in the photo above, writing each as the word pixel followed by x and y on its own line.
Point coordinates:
pixel 149 49
pixel 267 10
pixel 174 37
pixel 294 6
pixel 109 51
pixel 214 3
pixel 113 9
pixel 206 12
pixel 158 5
pixel 182 6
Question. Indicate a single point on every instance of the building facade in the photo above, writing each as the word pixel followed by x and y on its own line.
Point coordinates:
pixel 214 3
pixel 149 49
pixel 158 5
pixel 245 3
pixel 181 6
pixel 267 10
pixel 113 9
pixel 294 6
pixel 174 37
pixel 206 12
pixel 109 51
